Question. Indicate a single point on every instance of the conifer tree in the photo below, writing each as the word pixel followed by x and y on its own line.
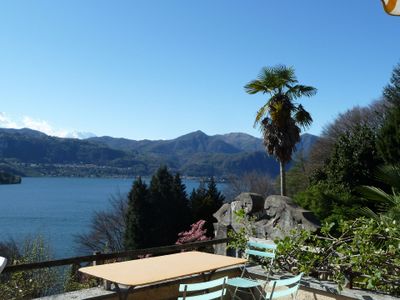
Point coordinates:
pixel 182 204
pixel 161 193
pixel 197 201
pixel 205 202
pixel 158 213
pixel 389 134
pixel 214 194
pixel 392 91
pixel 169 206
pixel 137 216
pixel 388 140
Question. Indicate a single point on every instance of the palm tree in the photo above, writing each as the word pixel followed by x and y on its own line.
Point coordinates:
pixel 389 203
pixel 280 118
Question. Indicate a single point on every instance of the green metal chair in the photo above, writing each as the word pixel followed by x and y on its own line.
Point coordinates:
pixel 292 285
pixel 204 287
pixel 261 250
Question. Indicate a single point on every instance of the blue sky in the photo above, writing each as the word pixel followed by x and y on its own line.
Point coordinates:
pixel 160 69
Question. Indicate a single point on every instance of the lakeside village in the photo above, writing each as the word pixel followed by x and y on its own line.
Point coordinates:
pixel 85 171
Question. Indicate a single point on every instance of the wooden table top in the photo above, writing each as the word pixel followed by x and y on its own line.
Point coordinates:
pixel 160 268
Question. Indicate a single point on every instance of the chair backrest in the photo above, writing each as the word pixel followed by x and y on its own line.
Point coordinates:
pixel 292 285
pixel 261 249
pixel 3 263
pixel 204 287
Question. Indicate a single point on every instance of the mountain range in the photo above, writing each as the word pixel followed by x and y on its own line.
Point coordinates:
pixel 28 152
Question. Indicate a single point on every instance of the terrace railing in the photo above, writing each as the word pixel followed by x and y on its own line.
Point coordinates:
pixel 99 258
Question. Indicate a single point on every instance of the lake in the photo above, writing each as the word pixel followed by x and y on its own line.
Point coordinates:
pixel 59 208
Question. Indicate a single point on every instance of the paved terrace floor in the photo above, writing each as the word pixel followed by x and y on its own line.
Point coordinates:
pixel 311 289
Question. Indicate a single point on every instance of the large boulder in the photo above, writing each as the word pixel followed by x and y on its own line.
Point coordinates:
pixel 282 215
pixel 274 216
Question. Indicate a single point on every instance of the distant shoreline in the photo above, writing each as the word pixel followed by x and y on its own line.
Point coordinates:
pixel 194 178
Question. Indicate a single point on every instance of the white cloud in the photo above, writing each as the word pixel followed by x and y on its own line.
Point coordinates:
pixel 6 122
pixel 79 134
pixel 40 125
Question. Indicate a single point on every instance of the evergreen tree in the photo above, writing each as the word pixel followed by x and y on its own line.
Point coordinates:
pixel 205 201
pixel 298 176
pixel 161 194
pixel 137 216
pixel 354 159
pixel 388 139
pixel 196 201
pixel 169 208
pixel 392 91
pixel 182 204
pixel 158 213
pixel 389 134
pixel 214 194
pixel 332 194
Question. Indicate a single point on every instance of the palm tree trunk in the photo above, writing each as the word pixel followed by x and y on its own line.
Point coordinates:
pixel 283 178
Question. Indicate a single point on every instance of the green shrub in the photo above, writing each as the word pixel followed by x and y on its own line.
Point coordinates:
pixel 365 253
pixel 33 283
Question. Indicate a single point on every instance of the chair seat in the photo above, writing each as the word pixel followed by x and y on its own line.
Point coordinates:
pixel 244 282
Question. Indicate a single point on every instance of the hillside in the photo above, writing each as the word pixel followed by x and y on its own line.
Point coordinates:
pixel 29 152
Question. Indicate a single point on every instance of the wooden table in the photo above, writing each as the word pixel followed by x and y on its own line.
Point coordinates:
pixel 157 269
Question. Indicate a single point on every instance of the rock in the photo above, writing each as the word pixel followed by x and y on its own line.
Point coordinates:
pixel 275 216
pixel 283 215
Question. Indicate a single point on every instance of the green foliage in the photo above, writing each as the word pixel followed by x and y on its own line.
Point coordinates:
pixel 181 203
pixel 77 281
pixel 137 216
pixel 328 203
pixel 205 201
pixel 167 209
pixel 392 91
pixel 388 139
pixel 29 284
pixel 353 160
pixel 297 178
pixel 332 194
pixel 156 214
pixel 247 229
pixel 365 253
pixel 388 203
pixel 315 200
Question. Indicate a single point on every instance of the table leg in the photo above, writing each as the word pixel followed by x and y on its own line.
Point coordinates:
pixel 123 293
pixel 207 276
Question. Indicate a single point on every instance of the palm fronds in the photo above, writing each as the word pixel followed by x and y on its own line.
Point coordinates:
pixel 302 117
pixel 280 118
pixel 299 90
pixel 389 203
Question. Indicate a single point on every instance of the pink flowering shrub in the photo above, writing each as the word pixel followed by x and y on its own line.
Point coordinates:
pixel 195 234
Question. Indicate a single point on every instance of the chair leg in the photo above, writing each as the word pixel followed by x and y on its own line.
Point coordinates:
pixel 234 293
pixel 252 294
pixel 262 297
